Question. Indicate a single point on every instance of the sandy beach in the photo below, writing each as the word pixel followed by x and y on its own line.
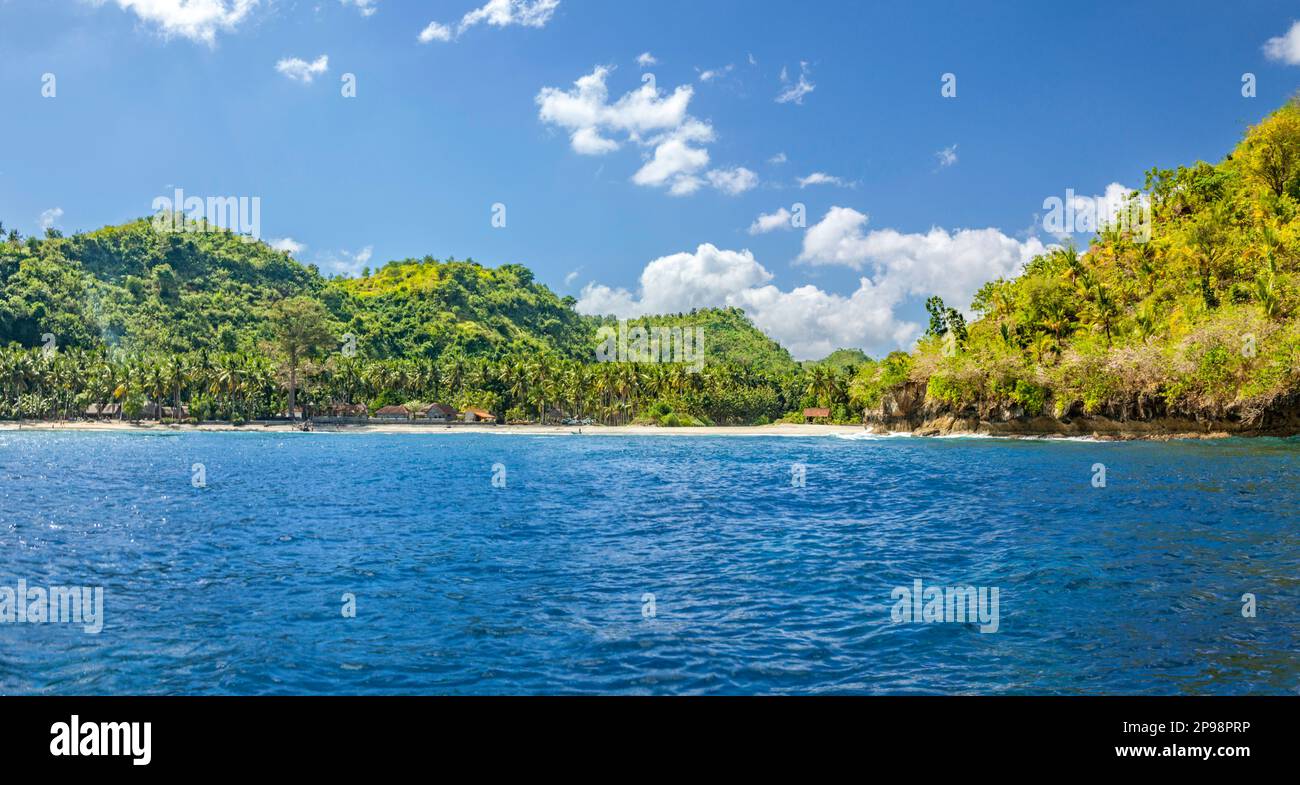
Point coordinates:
pixel 780 429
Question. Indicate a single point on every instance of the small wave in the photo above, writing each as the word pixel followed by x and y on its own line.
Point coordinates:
pixel 872 437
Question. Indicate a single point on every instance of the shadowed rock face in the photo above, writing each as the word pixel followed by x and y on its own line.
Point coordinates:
pixel 906 409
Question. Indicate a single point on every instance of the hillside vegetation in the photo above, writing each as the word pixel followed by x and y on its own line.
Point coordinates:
pixel 1197 322
pixel 131 315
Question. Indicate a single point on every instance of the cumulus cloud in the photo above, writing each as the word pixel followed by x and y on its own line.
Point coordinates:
pixel 197 20
pixel 435 32
pixel 503 13
pixel 733 181
pixel 675 161
pixel 498 13
pixel 952 264
pixel 300 70
pixel 794 92
pixel 287 244
pixel 647 118
pixel 777 159
pixel 645 59
pixel 770 222
pixel 1285 48
pixel 807 320
pixel 899 269
pixel 585 111
pixel 680 282
pixel 50 218
pixel 366 7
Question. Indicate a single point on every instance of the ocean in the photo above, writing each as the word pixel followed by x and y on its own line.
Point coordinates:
pixel 335 563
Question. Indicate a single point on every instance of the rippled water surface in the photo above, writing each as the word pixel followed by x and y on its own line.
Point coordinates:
pixel 539 587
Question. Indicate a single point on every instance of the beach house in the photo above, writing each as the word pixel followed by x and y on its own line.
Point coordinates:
pixel 393 413
pixel 439 412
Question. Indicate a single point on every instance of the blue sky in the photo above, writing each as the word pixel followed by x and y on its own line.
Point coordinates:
pixel 633 195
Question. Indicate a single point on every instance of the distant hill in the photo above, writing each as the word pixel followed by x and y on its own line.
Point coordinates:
pixel 842 359
pixel 145 290
pixel 729 337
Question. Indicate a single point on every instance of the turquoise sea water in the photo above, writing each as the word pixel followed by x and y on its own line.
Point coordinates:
pixel 543 585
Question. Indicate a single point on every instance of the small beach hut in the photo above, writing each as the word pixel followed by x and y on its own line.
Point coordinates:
pixel 439 412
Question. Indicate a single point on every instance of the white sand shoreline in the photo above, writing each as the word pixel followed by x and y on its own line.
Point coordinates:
pixel 780 429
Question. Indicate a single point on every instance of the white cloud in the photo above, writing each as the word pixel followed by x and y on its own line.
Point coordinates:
pixel 680 282
pixel 675 162
pixel 435 32
pixel 287 244
pixel 366 7
pixel 197 20
pixel 1285 48
pixel 645 59
pixel 302 71
pixel 733 181
pixel 714 73
pixel 498 13
pixel 503 13
pixel 586 112
pixel 812 322
pixel 770 222
pixel 952 265
pixel 571 277
pixel 794 92
pixel 821 178
pixel 50 217
pixel 647 118
pixel 779 158
pixel 345 262
pixel 807 320
pixel 947 156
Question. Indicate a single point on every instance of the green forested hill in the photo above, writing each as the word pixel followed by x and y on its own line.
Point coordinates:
pixel 1200 320
pixel 142 314
pixel 842 359
pixel 140 289
pixel 134 287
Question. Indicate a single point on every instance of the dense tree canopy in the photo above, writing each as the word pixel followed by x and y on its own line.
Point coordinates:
pixel 1199 319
